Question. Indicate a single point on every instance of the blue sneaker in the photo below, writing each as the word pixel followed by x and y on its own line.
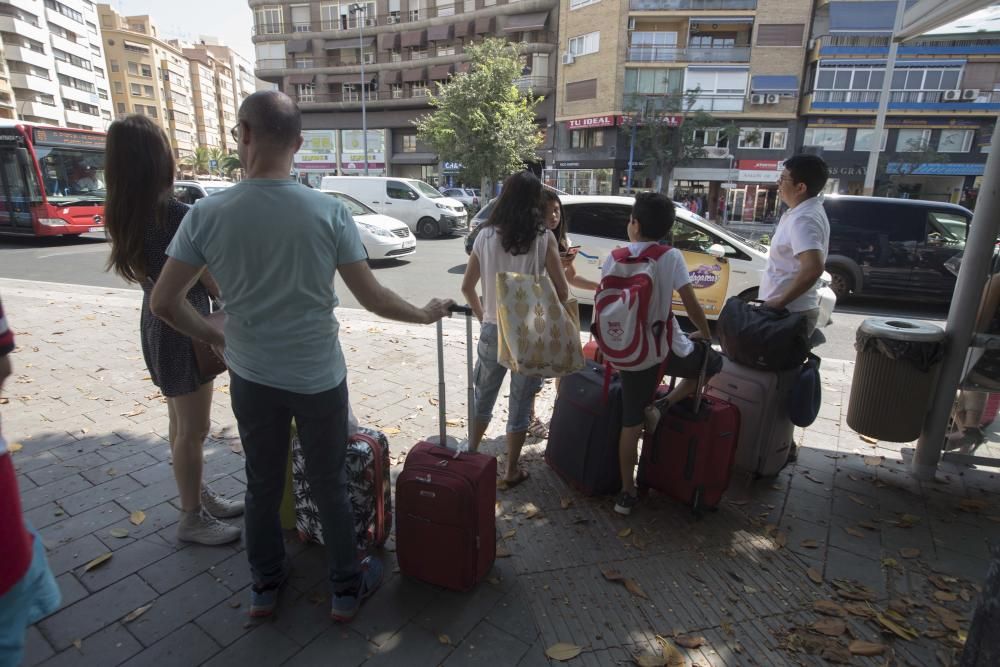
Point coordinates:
pixel 264 600
pixel 346 605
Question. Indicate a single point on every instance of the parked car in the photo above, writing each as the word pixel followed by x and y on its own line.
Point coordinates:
pixel 894 247
pixel 721 263
pixel 467 196
pixel 383 237
pixel 188 192
pixel 427 212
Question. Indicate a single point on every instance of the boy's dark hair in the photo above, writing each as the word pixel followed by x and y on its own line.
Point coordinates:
pixel 808 169
pixel 655 213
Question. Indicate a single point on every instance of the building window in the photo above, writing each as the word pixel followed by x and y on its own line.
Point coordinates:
pixel 581 90
pixel 395 56
pixel 103 94
pixel 584 44
pixel 912 141
pixel 446 50
pixel 589 138
pixel 576 4
pixel 300 18
pixel 828 138
pixel 780 34
pixel 657 82
pixel 305 92
pixel 409 143
pixel 718 89
pixel 863 140
pixel 955 141
pixel 268 20
pixel 711 137
pixel 329 16
pixel 99 71
pixel 121 108
pixel 396 90
pixel 763 138
pixel 418 89
pixel 418 54
pixel 64 10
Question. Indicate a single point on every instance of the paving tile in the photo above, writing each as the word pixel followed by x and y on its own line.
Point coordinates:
pixel 183 565
pixel 74 527
pixel 151 474
pixel 234 571
pixel 397 601
pixel 150 496
pixel 485 645
pixel 412 645
pixel 106 648
pixel 456 614
pixel 71 590
pixel 869 544
pixel 226 623
pixel 89 498
pixel 125 561
pixel 186 646
pixel 54 491
pixel 512 614
pixel 96 611
pixel 178 607
pixel 842 564
pixel 349 647
pixel 73 554
pixel 131 463
pixel 158 518
pixel 85 445
pixel 23 483
pixel 36 648
pixel 45 515
pixel 261 646
pixel 61 469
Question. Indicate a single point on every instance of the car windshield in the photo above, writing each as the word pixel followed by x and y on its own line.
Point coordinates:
pixel 953 226
pixel 212 189
pixel 727 232
pixel 426 190
pixel 353 205
pixel 68 173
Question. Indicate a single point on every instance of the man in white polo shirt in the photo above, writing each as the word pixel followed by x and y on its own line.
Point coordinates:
pixel 801 241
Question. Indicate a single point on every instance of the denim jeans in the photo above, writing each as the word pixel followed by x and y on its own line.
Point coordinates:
pixel 264 415
pixel 489 376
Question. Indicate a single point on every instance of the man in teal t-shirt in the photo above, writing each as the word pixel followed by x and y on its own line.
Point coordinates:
pixel 274 246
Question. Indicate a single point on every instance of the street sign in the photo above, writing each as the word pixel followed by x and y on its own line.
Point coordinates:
pixel 213 164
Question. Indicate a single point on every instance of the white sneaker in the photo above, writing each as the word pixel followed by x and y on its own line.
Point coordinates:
pixel 201 527
pixel 218 506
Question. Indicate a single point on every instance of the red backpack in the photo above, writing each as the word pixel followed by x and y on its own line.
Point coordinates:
pixel 625 327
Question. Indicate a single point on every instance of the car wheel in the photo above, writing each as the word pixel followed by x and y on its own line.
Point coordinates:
pixel 427 228
pixel 752 294
pixel 841 283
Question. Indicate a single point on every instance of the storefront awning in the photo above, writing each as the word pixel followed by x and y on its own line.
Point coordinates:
pixel 935 169
pixel 439 33
pixel 866 17
pixel 297 46
pixel 136 45
pixel 439 72
pixel 762 83
pixel 526 22
pixel 413 38
pixel 300 79
pixel 418 74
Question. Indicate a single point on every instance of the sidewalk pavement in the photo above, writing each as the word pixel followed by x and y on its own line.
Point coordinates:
pixel 843 545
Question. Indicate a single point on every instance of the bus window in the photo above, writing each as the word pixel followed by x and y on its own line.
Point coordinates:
pixel 18 188
pixel 69 172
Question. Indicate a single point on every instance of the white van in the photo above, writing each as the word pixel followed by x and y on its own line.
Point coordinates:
pixel 425 211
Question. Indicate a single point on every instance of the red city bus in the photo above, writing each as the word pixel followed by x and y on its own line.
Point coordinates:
pixel 51 180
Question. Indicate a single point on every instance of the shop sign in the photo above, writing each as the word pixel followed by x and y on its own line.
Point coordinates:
pixel 610 120
pixel 710 276
pixel 759 171
pixel 453 166
pixel 841 172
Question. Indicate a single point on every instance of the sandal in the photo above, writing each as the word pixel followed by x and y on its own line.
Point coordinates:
pixel 505 484
pixel 538 429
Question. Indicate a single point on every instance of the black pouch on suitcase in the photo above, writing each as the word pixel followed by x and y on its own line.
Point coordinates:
pixel 761 337
pixel 583 435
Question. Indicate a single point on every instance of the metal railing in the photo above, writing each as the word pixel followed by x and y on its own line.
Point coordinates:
pixel 658 54
pixel 350 22
pixel 719 103
pixel 899 97
pixel 655 5
pixel 531 82
pixel 854 40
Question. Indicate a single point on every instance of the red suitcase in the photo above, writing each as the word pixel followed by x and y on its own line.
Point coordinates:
pixel 445 503
pixel 690 457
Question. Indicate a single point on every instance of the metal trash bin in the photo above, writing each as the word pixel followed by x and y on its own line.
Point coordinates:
pixel 894 375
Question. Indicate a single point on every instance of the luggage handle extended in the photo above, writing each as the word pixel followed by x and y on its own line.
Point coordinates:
pixel 442 409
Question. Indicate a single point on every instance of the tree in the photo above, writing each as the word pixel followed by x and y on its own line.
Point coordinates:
pixel 482 119
pixel 215 154
pixel 904 163
pixel 197 161
pixel 230 163
pixel 664 128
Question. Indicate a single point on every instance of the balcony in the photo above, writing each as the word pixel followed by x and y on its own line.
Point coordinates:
pixel 34 83
pixel 690 5
pixel 704 102
pixel 670 54
pixel 18 26
pixel 928 100
pixel 535 84
pixel 41 109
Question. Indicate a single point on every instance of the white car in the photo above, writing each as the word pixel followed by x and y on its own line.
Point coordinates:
pixel 383 237
pixel 721 264
pixel 189 192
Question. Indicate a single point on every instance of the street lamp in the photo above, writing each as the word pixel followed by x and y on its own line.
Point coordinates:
pixel 357 10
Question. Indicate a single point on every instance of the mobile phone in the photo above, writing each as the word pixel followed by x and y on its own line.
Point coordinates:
pixel 571 251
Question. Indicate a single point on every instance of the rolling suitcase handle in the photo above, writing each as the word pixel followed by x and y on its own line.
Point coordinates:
pixel 442 410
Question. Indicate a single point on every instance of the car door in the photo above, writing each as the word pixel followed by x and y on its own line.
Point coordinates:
pixel 711 277
pixel 944 237
pixel 880 237
pixel 401 202
pixel 598 228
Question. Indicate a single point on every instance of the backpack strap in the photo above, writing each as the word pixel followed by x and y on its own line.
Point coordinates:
pixel 621 254
pixel 655 251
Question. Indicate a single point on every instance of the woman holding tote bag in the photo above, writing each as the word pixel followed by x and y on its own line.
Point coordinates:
pixel 514 241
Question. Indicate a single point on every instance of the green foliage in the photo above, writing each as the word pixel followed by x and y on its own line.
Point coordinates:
pixel 229 163
pixel 482 119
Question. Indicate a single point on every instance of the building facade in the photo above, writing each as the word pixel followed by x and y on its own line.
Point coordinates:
pixel 215 95
pixel 945 94
pixel 618 59
pixel 50 51
pixel 7 107
pixel 315 52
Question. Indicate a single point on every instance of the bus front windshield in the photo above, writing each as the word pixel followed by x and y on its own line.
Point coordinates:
pixel 71 175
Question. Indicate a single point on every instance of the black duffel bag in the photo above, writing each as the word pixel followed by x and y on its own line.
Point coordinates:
pixel 754 335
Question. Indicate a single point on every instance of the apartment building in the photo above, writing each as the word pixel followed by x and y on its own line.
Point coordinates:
pixel 244 81
pixel 315 52
pixel 618 59
pixel 50 51
pixel 215 95
pixel 149 76
pixel 7 108
pixel 944 97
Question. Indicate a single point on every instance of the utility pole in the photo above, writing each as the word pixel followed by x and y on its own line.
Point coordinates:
pixel 359 16
pixel 883 102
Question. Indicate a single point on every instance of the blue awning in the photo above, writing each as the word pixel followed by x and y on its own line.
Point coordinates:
pixel 865 17
pixel 774 84
pixel 940 169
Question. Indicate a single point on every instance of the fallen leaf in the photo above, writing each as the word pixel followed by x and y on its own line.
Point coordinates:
pixel 868 525
pixel 444 639
pixel 236 447
pixel 638 543
pixel 690 641
pixel 234 604
pixel 889 562
pixel 625 532
pixel 509 534
pixel 78 643
pixel 565 503
pixel 453 422
pixel 97 562
pixel 853 531
pixel 391 430
pixel 874 460
pixel 563 651
pixel 908 520
pixel 972 505
pixel 780 539
pixel 809 544
pixel 829 608
pixel 496 581
pixel 901 631
pixel 836 653
pixel 672 655
pixel 14 447
pixel 119 532
pixel 530 511
pixel 635 589
pixel 815 575
pixel 503 553
pixel 134 413
pixel 137 613
pixel 859 609
pixel 831 627
pixel 942 596
pixel 137 517
pixel 869 439
pixel 909 552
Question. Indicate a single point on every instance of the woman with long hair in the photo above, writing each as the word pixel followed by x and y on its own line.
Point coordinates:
pixel 140 218
pixel 514 239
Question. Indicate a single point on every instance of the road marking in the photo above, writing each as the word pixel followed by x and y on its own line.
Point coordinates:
pixel 75 251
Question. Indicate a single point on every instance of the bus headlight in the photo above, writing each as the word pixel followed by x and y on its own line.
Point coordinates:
pixel 52 222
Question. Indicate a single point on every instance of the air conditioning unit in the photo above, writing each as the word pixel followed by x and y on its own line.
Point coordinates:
pixel 757 99
pixel 772 98
pixel 568 58
pixel 370 21
pixel 392 18
pixel 952 95
pixel 970 93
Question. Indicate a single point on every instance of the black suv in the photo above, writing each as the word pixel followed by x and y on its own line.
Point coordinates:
pixel 894 247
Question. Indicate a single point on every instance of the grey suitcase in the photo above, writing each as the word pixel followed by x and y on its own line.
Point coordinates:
pixel 765 439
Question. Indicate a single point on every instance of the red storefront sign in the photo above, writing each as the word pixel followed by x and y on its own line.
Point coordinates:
pixel 760 165
pixel 593 121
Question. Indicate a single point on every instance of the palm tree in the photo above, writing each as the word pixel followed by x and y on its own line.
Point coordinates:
pixel 229 163
pixel 215 154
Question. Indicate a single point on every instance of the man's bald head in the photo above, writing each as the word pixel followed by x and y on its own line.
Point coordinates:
pixel 274 119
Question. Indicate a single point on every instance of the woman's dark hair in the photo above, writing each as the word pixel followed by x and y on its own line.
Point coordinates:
pixel 517 215
pixel 549 197
pixel 139 172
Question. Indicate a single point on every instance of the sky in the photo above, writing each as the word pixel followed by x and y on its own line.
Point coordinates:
pixel 229 20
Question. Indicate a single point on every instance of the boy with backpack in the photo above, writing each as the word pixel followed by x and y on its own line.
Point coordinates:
pixel 638 334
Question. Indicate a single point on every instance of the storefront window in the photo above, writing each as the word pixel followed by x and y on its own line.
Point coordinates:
pixel 955 141
pixel 579 181
pixel 829 138
pixel 863 140
pixel 912 141
pixel 590 138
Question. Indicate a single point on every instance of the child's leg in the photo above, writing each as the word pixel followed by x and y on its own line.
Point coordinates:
pixel 638 388
pixel 628 456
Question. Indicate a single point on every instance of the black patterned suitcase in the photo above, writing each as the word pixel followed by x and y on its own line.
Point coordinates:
pixel 367 484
